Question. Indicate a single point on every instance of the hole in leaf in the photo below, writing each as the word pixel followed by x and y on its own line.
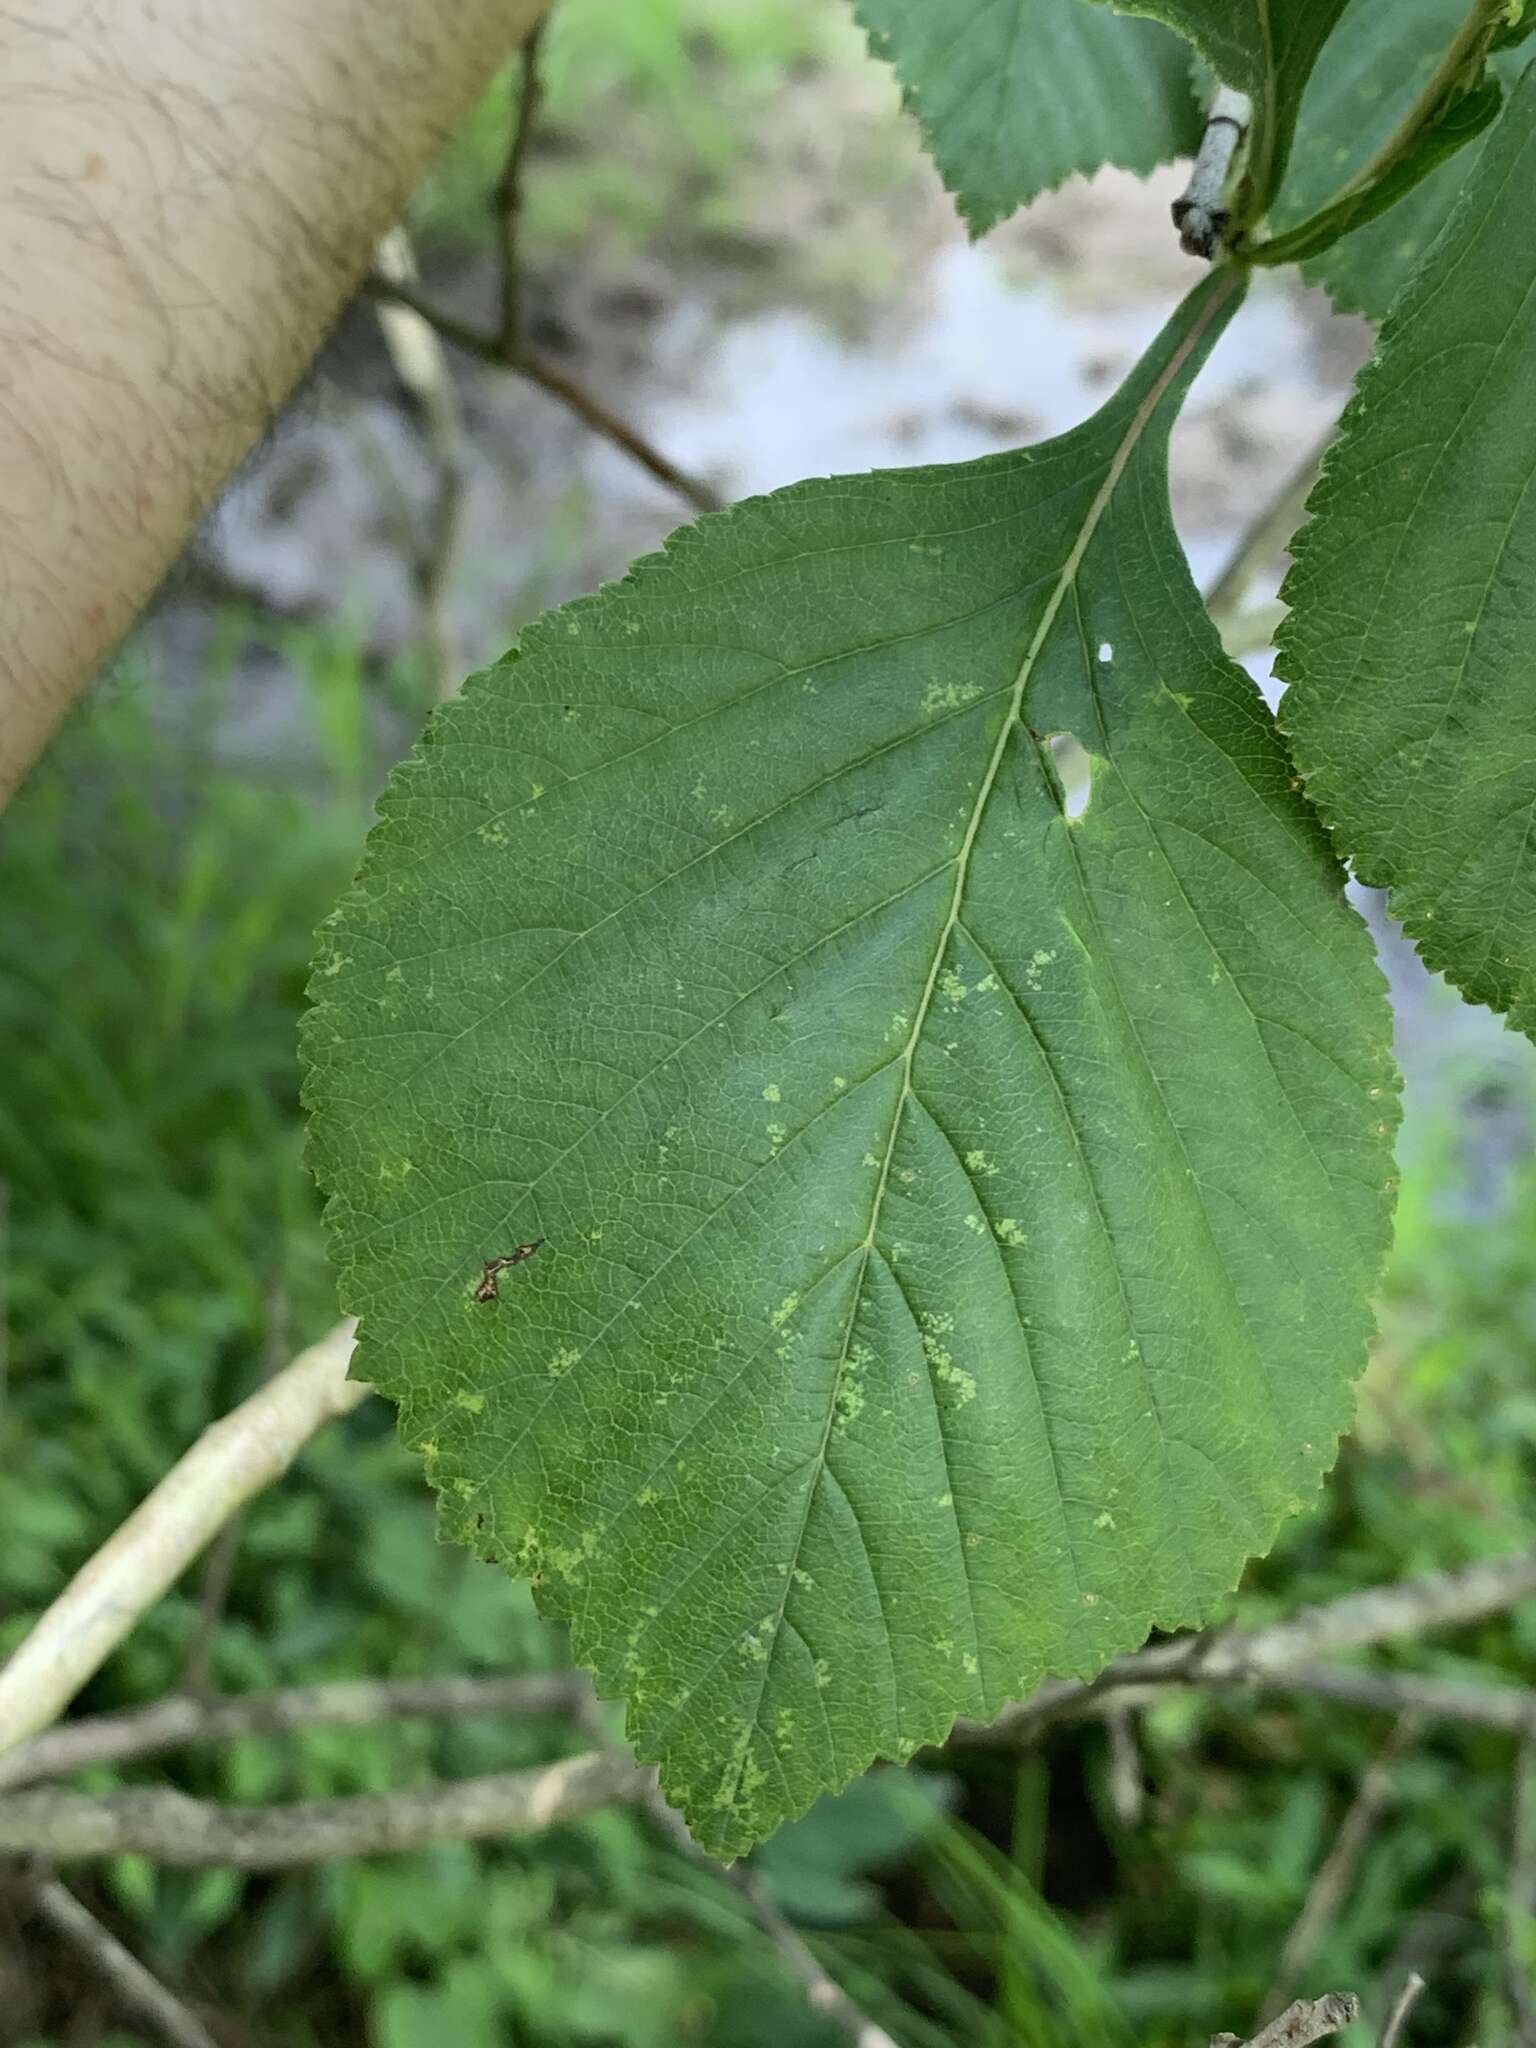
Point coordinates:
pixel 1074 771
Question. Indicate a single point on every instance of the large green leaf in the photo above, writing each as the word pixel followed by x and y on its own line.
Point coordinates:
pixel 1013 96
pixel 1378 62
pixel 958 1217
pixel 1410 643
pixel 1266 48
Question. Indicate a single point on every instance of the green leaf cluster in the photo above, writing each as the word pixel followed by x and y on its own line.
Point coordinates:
pixel 1413 620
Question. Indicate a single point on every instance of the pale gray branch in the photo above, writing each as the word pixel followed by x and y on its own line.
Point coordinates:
pixel 353 1703
pixel 1282 1655
pixel 1308 2020
pixel 169 1827
pixel 1402 2006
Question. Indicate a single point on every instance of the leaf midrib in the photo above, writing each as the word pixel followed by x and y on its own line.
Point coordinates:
pixel 1065 582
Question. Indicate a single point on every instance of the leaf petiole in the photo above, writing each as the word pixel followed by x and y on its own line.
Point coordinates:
pixel 1455 106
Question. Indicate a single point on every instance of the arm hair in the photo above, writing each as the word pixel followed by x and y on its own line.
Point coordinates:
pixel 189 192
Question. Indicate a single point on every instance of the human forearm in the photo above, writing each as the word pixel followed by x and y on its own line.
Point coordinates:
pixel 189 189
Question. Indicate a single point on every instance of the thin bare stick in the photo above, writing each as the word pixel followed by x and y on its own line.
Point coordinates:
pixel 823 1993
pixel 212 1598
pixel 140 1991
pixel 1309 2020
pixel 416 350
pixel 508 199
pixel 219 1566
pixel 1337 1871
pixel 1127 1786
pixel 596 415
pixel 1520 1895
pixel 169 1827
pixel 1402 2006
pixel 233 1460
pixel 184 1719
pixel 1266 535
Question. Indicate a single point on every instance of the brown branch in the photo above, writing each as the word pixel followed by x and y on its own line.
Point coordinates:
pixel 169 1827
pixel 184 1719
pixel 1336 1873
pixel 508 198
pixel 140 1991
pixel 1520 1894
pixel 1309 2020
pixel 488 349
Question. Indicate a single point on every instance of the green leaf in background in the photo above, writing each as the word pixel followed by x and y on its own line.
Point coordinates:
pixel 1013 96
pixel 1378 63
pixel 959 1217
pixel 1410 641
pixel 1265 48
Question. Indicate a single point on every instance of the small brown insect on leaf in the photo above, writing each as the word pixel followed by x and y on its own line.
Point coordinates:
pixel 490 1285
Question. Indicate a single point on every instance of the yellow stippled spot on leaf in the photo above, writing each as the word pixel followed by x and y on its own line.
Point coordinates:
pixel 933 1329
pixel 1007 1231
pixel 849 1405
pixel 978 1162
pixel 784 1311
pixel 771 1093
pixel 948 697
pixel 472 1403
